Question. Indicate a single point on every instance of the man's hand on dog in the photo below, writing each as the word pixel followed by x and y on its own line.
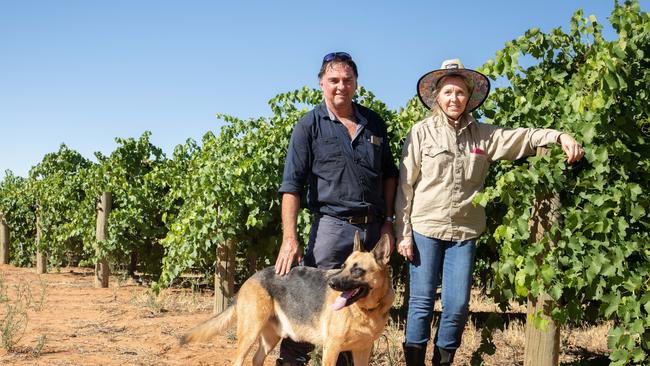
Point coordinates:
pixel 289 251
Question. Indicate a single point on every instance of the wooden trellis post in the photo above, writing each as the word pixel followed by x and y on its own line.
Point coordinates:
pixel 4 240
pixel 103 210
pixel 542 346
pixel 224 276
pixel 41 256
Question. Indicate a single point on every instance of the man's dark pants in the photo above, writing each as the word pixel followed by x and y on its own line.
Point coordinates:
pixel 330 242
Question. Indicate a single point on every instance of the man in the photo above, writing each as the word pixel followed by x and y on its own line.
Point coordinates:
pixel 340 152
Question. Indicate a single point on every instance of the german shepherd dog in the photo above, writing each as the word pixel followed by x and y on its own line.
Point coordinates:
pixel 341 309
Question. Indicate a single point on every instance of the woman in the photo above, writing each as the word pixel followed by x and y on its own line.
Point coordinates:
pixel 444 163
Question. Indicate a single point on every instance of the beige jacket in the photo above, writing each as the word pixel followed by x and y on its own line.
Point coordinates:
pixel 441 171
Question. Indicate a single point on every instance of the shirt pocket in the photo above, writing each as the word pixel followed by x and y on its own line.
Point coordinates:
pixel 374 151
pixel 476 168
pixel 327 154
pixel 436 163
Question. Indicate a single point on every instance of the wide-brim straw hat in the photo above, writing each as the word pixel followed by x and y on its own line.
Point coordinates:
pixel 478 82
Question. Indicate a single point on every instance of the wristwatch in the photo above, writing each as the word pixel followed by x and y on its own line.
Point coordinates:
pixel 390 219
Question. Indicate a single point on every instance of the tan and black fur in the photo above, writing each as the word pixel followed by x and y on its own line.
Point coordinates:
pixel 298 305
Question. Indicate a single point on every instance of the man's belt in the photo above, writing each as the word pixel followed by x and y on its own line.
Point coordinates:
pixel 361 219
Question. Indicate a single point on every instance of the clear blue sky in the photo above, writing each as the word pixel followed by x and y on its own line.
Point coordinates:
pixel 84 72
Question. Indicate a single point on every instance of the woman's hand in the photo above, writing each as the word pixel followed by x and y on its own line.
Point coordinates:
pixel 574 152
pixel 405 247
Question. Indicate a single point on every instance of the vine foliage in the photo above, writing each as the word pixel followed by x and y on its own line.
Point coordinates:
pixel 597 90
pixel 170 214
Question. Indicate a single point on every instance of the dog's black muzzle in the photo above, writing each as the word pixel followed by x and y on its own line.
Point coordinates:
pixel 355 289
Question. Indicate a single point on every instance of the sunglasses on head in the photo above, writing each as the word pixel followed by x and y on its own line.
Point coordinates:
pixel 341 55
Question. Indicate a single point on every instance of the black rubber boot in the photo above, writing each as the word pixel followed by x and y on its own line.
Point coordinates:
pixel 442 356
pixel 414 354
pixel 345 359
pixel 280 362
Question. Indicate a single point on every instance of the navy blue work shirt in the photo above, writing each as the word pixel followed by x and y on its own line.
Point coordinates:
pixel 344 176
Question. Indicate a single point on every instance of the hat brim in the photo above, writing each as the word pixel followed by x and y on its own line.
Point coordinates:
pixel 480 86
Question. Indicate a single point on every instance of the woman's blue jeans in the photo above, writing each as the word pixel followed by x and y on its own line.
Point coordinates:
pixel 454 261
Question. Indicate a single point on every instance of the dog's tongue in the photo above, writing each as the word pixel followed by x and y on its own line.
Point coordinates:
pixel 340 301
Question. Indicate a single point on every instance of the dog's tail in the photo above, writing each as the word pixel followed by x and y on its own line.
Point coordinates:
pixel 208 329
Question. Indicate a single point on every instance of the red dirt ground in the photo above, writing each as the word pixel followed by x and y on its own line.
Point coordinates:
pixel 119 325
pixel 70 322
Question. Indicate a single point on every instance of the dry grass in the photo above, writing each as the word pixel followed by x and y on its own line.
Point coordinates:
pixel 576 344
pixel 74 323
pixel 177 300
pixel 17 302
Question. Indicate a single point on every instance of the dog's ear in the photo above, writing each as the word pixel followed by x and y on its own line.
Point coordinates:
pixel 381 251
pixel 357 242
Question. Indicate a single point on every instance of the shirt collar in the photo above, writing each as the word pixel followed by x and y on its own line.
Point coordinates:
pixel 464 124
pixel 323 111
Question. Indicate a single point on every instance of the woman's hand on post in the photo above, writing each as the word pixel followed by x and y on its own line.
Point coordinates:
pixel 405 247
pixel 574 152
